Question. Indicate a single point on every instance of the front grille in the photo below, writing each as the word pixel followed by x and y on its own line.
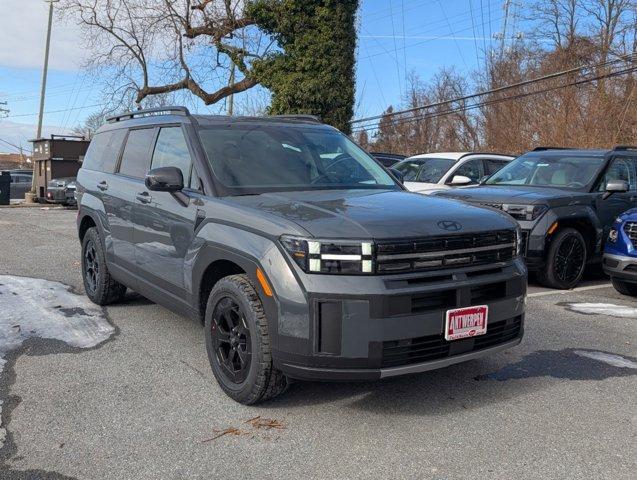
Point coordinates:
pixel 434 347
pixel 435 253
pixel 631 230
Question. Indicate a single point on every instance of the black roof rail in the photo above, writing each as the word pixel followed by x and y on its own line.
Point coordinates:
pixel 300 118
pixel 148 111
pixel 541 149
pixel 623 148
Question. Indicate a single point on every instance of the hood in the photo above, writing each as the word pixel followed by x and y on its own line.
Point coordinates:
pixel 520 195
pixel 374 214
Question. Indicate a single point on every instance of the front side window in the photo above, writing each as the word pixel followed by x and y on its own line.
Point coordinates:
pixel 619 169
pixel 563 170
pixel 171 150
pixel 472 170
pixel 135 158
pixel 249 158
pixel 429 170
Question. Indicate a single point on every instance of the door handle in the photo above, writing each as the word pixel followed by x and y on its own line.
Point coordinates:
pixel 102 185
pixel 144 197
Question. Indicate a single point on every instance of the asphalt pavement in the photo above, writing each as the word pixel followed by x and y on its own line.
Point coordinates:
pixel 144 404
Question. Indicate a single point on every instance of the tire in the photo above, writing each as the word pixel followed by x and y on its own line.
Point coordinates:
pixel 234 302
pixel 624 288
pixel 99 286
pixel 565 261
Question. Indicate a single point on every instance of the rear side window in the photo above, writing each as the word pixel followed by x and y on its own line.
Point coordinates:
pixel 171 150
pixel 103 151
pixel 136 156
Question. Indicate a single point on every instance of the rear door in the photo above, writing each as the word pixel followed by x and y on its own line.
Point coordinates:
pixel 619 168
pixel 164 226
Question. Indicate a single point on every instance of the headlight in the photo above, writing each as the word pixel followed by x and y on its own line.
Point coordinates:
pixel 612 235
pixel 330 256
pixel 525 212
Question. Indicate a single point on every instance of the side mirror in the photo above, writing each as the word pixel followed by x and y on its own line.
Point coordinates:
pixel 398 175
pixel 615 186
pixel 460 180
pixel 164 179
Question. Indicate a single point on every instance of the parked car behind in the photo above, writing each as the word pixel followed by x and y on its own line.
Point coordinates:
pixel 565 201
pixel 62 191
pixel 20 183
pixel 620 255
pixel 388 159
pixel 300 254
pixel 437 171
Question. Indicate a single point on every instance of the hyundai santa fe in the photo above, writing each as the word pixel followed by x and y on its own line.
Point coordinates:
pixel 300 254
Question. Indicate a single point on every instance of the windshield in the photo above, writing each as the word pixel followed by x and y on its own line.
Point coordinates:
pixel 428 170
pixel 249 158
pixel 563 171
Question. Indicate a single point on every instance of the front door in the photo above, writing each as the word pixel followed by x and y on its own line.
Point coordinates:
pixel 119 196
pixel 164 227
pixel 619 168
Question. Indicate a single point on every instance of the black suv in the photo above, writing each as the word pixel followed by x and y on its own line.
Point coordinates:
pixel 565 201
pixel 303 257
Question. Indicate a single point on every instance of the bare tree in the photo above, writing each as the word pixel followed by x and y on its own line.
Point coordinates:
pixel 159 47
pixel 90 125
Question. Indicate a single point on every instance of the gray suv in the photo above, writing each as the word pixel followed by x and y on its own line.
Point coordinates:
pixel 302 256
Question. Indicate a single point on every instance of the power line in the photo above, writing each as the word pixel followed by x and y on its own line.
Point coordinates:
pixel 624 58
pixel 499 100
pixel 14 146
pixel 56 111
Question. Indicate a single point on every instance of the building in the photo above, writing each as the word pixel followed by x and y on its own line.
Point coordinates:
pixel 56 157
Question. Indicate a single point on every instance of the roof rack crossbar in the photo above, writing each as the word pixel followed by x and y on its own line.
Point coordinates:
pixel 148 111
pixel 299 117
pixel 541 149
pixel 623 148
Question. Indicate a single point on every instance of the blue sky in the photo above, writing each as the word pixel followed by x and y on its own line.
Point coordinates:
pixel 396 37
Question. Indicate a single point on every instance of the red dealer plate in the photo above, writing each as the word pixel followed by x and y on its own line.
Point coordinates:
pixel 466 322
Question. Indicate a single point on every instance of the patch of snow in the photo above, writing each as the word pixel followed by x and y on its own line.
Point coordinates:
pixel 604 309
pixel 609 358
pixel 31 307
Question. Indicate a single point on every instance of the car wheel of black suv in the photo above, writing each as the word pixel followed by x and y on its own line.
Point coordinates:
pixel 624 288
pixel 565 261
pixel 238 344
pixel 98 283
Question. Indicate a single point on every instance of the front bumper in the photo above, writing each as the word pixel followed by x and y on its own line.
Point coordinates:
pixel 394 325
pixel 621 267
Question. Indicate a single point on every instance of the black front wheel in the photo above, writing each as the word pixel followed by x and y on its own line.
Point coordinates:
pixel 238 343
pixel 565 261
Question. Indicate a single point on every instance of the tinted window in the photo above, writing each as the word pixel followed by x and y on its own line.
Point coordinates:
pixel 103 151
pixel 620 169
pixel 135 159
pixel 472 169
pixel 434 169
pixel 195 182
pixel 171 151
pixel 493 166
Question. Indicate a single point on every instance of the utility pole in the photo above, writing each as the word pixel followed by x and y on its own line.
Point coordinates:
pixel 30 196
pixel 46 66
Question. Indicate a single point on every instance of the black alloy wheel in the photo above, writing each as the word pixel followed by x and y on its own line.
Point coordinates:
pixel 91 267
pixel 569 259
pixel 565 260
pixel 231 340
